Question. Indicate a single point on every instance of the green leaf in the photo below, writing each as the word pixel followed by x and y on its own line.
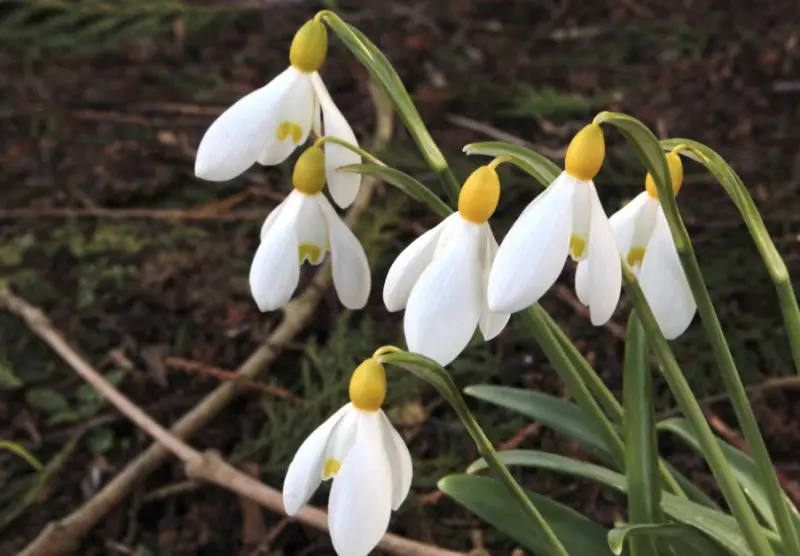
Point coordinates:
pixel 561 416
pixel 8 380
pixel 487 499
pixel 384 74
pixel 100 441
pixel 687 535
pixel 405 183
pixel 47 400
pixel 741 464
pixel 720 526
pixel 17 449
pixel 641 444
pixel 541 168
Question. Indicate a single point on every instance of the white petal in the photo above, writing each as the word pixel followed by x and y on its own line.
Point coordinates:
pixel 305 470
pixel 275 271
pixel 582 290
pixel 271 218
pixel 399 461
pixel 351 276
pixel 445 304
pixel 342 185
pixel 342 438
pixel 361 497
pixel 533 252
pixel 233 142
pixel 605 270
pixel 312 233
pixel 623 222
pixel 296 108
pixel 664 282
pixel 491 323
pixel 582 213
pixel 407 267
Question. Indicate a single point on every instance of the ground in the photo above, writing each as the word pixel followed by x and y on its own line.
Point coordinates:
pixel 101 107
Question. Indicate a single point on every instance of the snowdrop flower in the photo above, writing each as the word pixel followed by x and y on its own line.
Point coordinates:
pixel 304 227
pixel 366 458
pixel 644 239
pixel 440 278
pixel 566 219
pixel 266 125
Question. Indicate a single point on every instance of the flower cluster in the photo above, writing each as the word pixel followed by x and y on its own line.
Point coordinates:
pixel 451 281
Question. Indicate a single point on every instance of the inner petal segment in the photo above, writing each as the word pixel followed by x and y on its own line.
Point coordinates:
pixel 290 129
pixel 577 247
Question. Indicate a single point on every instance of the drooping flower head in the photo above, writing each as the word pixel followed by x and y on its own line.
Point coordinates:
pixel 305 227
pixel 267 125
pixel 644 239
pixel 367 459
pixel 440 279
pixel 567 219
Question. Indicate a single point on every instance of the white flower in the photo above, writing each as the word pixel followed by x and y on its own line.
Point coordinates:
pixel 266 125
pixel 304 227
pixel 440 278
pixel 567 219
pixel 367 459
pixel 644 239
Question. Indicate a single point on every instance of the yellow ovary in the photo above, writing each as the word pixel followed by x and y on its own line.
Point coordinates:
pixel 331 468
pixel 586 153
pixel 577 245
pixel 675 173
pixel 368 386
pixel 309 47
pixel 479 195
pixel 309 172
pixel 287 130
pixel 635 256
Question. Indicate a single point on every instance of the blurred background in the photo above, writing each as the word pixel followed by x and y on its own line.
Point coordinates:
pixel 144 268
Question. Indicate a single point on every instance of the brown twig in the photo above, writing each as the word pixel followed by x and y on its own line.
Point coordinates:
pixel 61 536
pixel 227 376
pixel 207 466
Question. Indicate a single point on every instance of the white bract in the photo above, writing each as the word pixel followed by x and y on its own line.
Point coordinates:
pixel 304 227
pixel 440 279
pixel 367 459
pixel 267 125
pixel 567 219
pixel 644 239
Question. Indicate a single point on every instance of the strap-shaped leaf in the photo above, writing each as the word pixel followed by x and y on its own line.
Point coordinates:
pixel 678 534
pixel 541 168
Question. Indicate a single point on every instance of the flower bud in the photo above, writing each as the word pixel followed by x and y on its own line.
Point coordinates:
pixel 675 173
pixel 368 386
pixel 479 195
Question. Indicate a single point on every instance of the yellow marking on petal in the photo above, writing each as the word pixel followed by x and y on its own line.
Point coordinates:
pixel 288 130
pixel 675 173
pixel 635 256
pixel 331 468
pixel 368 386
pixel 310 252
pixel 577 245
pixel 308 176
pixel 479 195
pixel 586 153
pixel 309 47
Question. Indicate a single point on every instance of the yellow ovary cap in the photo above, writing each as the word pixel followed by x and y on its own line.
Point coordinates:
pixel 309 172
pixel 479 195
pixel 368 386
pixel 309 47
pixel 585 153
pixel 675 173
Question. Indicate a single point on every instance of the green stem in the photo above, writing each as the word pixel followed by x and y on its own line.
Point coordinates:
pixel 712 451
pixel 776 267
pixel 567 371
pixel 600 390
pixel 451 186
pixel 504 476
pixel 729 372
pixel 641 442
pixel 350 147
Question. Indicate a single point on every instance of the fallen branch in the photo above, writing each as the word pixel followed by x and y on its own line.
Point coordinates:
pixel 208 466
pixel 61 536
